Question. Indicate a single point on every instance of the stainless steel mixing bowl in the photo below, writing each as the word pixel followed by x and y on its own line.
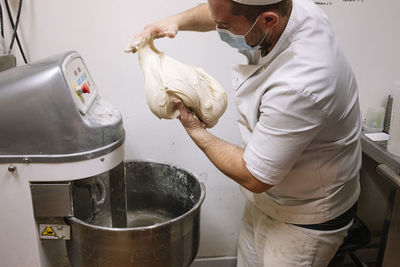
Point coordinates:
pixel 163 221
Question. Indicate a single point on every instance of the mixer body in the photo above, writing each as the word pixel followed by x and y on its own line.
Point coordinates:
pixel 55 130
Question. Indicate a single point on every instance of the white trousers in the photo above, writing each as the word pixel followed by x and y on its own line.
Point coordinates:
pixel 266 242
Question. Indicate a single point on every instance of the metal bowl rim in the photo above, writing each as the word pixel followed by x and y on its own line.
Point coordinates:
pixel 157 225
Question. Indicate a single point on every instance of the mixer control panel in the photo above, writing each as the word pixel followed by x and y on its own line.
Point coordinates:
pixel 80 83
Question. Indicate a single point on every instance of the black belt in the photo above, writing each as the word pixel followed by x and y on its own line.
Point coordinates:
pixel 334 224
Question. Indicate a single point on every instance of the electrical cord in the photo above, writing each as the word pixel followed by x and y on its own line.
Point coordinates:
pixel 15 28
pixel 1 22
pixel 16 24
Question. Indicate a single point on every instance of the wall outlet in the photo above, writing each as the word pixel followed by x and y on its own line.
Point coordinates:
pixel 7 61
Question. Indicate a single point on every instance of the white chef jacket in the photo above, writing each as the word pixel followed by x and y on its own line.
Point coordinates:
pixel 300 120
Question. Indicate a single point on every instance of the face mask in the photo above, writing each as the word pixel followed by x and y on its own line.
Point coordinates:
pixel 239 41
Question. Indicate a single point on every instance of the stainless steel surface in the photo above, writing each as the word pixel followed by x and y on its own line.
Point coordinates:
pixel 52 199
pixel 118 196
pixel 163 221
pixel 388 114
pixel 389 168
pixel 99 202
pixel 7 61
pixel 378 152
pixel 93 198
pixel 55 231
pixel 65 157
pixel 43 121
pixel 391 256
pixel 12 168
pixel 389 174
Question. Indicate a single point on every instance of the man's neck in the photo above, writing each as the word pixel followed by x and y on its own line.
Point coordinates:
pixel 277 33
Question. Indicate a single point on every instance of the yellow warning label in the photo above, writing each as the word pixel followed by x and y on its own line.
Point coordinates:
pixel 48 231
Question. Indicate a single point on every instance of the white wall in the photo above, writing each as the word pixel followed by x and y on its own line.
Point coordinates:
pixel 100 30
pixel 368 33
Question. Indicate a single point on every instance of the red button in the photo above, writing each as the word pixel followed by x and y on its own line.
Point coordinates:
pixel 85 89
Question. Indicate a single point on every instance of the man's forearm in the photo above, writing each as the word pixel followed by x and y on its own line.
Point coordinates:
pixel 228 158
pixel 195 19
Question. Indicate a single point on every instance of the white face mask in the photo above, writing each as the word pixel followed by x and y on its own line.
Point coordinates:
pixel 239 41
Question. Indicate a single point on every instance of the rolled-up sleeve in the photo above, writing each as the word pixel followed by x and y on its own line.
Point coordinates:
pixel 289 120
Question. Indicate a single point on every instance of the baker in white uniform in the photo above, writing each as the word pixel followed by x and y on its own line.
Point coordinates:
pixel 300 121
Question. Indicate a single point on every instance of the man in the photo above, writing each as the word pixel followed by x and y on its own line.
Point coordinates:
pixel 299 117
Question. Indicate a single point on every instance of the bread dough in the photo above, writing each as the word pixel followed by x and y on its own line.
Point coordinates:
pixel 167 79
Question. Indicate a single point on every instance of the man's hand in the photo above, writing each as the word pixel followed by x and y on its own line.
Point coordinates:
pixel 194 19
pixel 164 28
pixel 188 119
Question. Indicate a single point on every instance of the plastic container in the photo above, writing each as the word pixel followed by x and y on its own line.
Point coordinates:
pixel 394 132
pixel 374 119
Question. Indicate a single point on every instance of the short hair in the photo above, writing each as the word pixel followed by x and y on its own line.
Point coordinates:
pixel 251 12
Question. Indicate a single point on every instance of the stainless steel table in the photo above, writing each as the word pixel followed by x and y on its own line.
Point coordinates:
pixel 389 168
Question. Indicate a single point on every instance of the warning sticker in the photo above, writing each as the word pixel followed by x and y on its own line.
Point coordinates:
pixel 54 231
pixel 48 231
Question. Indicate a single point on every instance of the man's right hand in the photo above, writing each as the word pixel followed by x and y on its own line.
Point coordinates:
pixel 165 27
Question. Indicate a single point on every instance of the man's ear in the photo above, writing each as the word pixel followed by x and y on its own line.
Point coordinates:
pixel 269 19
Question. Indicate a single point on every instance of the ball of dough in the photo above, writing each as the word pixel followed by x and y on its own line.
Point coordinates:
pixel 167 79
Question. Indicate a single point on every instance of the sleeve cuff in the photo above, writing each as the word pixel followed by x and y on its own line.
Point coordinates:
pixel 271 176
